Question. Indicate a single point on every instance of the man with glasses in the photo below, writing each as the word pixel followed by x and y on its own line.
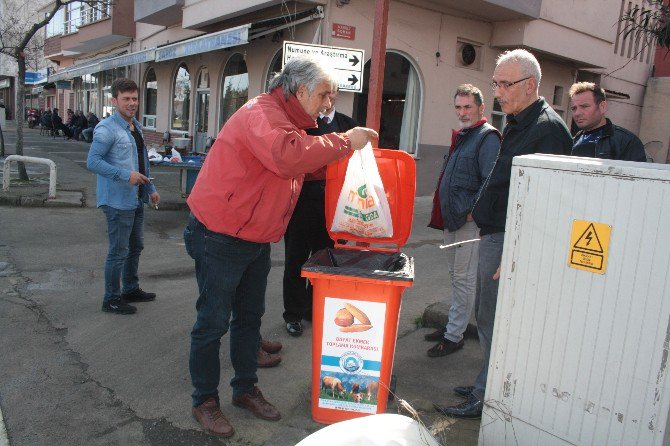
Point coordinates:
pixel 532 127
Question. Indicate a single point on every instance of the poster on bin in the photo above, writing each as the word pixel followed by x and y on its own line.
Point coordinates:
pixel 351 354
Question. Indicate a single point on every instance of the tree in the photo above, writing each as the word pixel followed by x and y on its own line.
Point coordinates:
pixel 19 40
pixel 650 21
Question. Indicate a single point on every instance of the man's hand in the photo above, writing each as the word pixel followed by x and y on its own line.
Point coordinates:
pixel 360 136
pixel 496 276
pixel 469 218
pixel 155 199
pixel 137 178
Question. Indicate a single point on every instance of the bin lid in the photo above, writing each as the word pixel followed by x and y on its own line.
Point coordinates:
pixel 397 170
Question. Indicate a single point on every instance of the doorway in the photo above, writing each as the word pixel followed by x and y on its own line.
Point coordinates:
pixel 401 104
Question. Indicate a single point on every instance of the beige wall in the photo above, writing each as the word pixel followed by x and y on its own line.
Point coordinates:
pixel 654 119
pixel 418 33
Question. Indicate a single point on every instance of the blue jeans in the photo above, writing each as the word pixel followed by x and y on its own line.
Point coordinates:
pixel 490 255
pixel 232 278
pixel 126 242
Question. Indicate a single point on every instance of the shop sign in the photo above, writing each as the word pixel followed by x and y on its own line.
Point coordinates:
pixel 347 62
pixel 210 42
pixel 344 31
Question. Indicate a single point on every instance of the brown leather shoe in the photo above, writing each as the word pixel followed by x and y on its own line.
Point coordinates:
pixel 270 346
pixel 266 360
pixel 256 404
pixel 211 419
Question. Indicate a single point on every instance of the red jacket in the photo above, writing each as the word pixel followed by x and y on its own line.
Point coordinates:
pixel 251 178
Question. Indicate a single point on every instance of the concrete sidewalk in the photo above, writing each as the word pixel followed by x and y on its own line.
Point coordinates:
pixel 141 362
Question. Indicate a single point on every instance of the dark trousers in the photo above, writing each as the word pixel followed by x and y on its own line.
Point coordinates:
pixel 232 278
pixel 306 233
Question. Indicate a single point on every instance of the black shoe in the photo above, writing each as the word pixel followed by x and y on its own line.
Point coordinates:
pixel 138 295
pixel 118 306
pixel 435 336
pixel 294 328
pixel 444 348
pixel 471 408
pixel 464 391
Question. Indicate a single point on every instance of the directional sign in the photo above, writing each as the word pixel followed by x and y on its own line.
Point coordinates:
pixel 348 62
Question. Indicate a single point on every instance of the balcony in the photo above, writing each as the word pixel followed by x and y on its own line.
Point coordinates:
pixel 159 12
pixel 487 10
pixel 89 29
pixel 198 14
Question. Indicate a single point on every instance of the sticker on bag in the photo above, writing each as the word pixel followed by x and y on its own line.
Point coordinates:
pixel 362 208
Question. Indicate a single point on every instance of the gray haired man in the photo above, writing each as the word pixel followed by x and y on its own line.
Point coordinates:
pixel 532 126
pixel 242 202
pixel 469 161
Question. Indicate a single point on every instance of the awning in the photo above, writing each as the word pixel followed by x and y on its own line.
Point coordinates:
pixel 104 64
pixel 202 44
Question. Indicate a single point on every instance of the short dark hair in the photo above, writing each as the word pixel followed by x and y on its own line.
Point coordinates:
pixel 581 87
pixel 123 85
pixel 470 90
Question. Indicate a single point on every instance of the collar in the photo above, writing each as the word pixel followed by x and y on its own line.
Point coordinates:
pixel 123 123
pixel 607 129
pixel 294 111
pixel 528 114
pixel 330 115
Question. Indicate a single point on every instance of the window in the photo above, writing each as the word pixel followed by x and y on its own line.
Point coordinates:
pixel 498 118
pixel 107 79
pixel 275 67
pixel 401 104
pixel 56 26
pixel 77 14
pixel 89 93
pixel 234 87
pixel 558 95
pixel 181 100
pixel 150 99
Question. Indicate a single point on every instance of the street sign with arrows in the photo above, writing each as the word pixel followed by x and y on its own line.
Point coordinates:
pixel 348 62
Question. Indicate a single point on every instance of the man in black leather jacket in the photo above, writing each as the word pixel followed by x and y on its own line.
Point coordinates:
pixel 598 137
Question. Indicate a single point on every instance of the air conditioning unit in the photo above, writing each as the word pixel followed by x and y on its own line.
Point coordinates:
pixel 149 122
pixel 468 55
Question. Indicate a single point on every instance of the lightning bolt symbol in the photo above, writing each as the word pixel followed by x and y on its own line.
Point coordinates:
pixel 588 237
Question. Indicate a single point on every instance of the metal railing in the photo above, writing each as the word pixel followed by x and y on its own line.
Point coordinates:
pixel 79 14
pixel 30 159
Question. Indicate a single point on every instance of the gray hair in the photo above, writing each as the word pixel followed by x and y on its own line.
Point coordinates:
pixel 470 90
pixel 528 63
pixel 303 70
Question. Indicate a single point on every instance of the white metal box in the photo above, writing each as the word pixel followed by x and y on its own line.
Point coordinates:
pixel 580 356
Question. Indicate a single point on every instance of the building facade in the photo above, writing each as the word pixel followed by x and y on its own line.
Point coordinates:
pixel 197 61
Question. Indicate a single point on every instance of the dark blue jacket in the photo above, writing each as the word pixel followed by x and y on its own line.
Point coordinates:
pixel 475 152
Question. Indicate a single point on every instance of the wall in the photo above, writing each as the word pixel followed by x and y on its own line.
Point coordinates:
pixel 654 119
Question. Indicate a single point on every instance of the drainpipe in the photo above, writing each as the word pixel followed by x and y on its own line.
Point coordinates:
pixel 376 84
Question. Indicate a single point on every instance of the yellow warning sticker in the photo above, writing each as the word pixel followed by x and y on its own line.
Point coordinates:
pixel 589 246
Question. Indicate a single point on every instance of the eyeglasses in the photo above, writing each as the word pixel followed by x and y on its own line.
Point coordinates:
pixel 505 85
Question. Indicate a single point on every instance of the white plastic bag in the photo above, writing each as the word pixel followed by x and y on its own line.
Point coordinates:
pixel 362 208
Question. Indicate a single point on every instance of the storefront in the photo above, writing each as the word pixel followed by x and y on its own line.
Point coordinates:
pixel 7 97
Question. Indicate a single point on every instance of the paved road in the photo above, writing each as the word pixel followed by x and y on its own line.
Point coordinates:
pixel 73 375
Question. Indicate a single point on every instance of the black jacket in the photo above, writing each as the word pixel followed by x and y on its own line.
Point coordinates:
pixel 617 143
pixel 537 129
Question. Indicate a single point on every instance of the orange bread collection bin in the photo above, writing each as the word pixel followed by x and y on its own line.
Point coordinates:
pixel 357 290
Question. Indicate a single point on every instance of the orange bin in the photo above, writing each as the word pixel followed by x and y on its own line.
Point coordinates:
pixel 357 289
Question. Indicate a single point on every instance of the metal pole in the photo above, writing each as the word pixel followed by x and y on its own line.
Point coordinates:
pixel 377 63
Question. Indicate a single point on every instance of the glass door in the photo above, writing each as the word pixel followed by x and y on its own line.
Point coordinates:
pixel 201 114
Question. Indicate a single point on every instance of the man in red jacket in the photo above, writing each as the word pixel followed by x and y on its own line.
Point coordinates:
pixel 241 202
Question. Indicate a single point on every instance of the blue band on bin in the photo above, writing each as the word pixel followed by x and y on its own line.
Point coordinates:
pixel 334 361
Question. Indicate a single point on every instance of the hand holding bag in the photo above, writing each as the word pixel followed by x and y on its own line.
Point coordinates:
pixel 362 208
